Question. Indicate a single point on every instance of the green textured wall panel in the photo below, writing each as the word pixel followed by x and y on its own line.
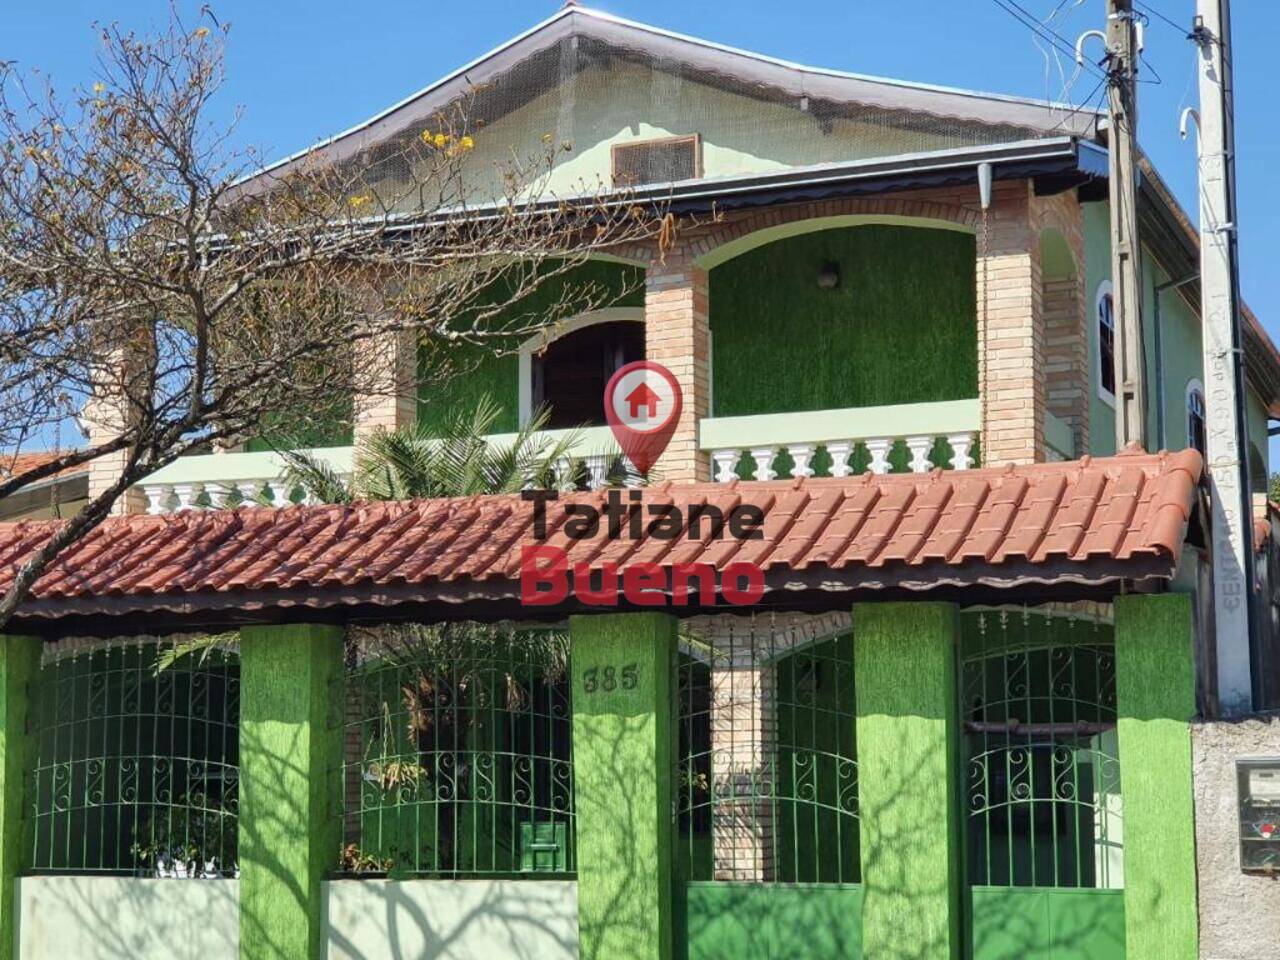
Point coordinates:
pixel 905 675
pixel 290 750
pixel 900 327
pixel 1155 700
pixel 455 376
pixel 741 921
pixel 19 662
pixel 622 745
pixel 1043 923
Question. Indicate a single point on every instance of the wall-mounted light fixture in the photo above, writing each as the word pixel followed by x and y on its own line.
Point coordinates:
pixel 829 276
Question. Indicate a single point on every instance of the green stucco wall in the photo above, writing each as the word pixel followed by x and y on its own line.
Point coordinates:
pixel 899 328
pixel 1155 701
pixel 290 747
pixel 754 921
pixel 908 801
pixel 19 662
pixel 1045 923
pixel 1181 357
pixel 472 372
pixel 622 741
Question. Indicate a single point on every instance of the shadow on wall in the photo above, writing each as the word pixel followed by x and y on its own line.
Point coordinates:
pixel 123 918
pixel 992 923
pixel 451 919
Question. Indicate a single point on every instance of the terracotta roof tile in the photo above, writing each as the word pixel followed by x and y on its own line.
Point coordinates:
pixel 991 525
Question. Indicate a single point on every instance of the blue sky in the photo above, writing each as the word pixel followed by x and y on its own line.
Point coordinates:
pixel 305 70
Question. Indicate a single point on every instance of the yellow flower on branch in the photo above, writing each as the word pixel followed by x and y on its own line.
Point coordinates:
pixel 359 200
pixel 466 143
pixel 99 87
pixel 440 140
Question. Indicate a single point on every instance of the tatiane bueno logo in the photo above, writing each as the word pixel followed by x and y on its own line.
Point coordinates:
pixel 642 403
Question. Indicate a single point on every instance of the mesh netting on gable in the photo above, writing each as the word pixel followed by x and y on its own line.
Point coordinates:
pixel 584 85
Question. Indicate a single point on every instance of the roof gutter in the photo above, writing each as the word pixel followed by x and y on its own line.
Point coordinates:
pixel 1020 160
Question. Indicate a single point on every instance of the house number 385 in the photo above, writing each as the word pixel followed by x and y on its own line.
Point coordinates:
pixel 610 678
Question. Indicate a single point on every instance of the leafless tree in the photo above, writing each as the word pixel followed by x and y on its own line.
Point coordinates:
pixel 154 277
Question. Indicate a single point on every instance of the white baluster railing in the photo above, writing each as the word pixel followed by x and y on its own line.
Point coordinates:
pixel 254 479
pixel 760 446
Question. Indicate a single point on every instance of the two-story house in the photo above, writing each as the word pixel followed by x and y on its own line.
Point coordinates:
pixel 893 329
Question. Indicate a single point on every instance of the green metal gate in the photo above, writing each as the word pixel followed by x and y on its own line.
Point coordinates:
pixel 1042 798
pixel 458 757
pixel 766 784
pixel 137 753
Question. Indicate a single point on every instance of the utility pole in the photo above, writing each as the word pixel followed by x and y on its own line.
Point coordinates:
pixel 1126 255
pixel 1225 417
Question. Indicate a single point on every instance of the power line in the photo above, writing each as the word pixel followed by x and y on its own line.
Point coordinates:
pixel 1147 8
pixel 1055 39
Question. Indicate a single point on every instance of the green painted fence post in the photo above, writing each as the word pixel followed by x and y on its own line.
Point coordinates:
pixel 290 750
pixel 622 732
pixel 19 663
pixel 1155 702
pixel 907 727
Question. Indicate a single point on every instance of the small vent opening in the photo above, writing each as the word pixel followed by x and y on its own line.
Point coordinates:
pixel 657 161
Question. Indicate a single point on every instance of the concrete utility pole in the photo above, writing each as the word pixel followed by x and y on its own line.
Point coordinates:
pixel 1126 255
pixel 1225 417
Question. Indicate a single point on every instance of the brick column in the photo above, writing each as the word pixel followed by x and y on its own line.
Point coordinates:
pixel 1011 349
pixel 107 414
pixel 386 389
pixel 744 733
pixel 1068 376
pixel 677 335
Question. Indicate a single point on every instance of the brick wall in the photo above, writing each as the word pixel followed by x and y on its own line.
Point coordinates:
pixel 386 384
pixel 677 336
pixel 1032 351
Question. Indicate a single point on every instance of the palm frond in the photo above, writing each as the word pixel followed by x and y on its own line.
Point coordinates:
pixel 316 477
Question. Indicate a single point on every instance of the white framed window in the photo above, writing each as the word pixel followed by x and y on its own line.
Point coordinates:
pixel 1196 435
pixel 1104 318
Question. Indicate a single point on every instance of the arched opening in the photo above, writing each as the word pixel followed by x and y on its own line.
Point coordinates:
pixel 857 315
pixel 1066 346
pixel 568 374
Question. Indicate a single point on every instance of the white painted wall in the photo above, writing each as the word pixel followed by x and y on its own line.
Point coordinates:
pixel 451 919
pixel 124 918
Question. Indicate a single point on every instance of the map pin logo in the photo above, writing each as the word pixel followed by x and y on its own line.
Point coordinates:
pixel 642 403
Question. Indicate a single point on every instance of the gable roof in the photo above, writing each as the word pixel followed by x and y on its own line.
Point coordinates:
pixel 1051 530
pixel 531 58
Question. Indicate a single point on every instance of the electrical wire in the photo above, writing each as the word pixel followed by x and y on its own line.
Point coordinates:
pixel 1147 8
pixel 1055 39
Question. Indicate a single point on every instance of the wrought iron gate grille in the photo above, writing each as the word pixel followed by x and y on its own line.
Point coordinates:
pixel 458 758
pixel 1042 785
pixel 766 771
pixel 137 757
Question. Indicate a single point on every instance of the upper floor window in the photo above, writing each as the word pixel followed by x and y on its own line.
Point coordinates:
pixel 1105 314
pixel 569 374
pixel 1195 416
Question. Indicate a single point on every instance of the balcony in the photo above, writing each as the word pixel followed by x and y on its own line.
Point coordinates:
pixel 220 480
pixel 913 437
pixel 836 443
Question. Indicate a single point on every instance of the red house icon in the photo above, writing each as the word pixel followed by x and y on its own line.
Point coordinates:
pixel 643 396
